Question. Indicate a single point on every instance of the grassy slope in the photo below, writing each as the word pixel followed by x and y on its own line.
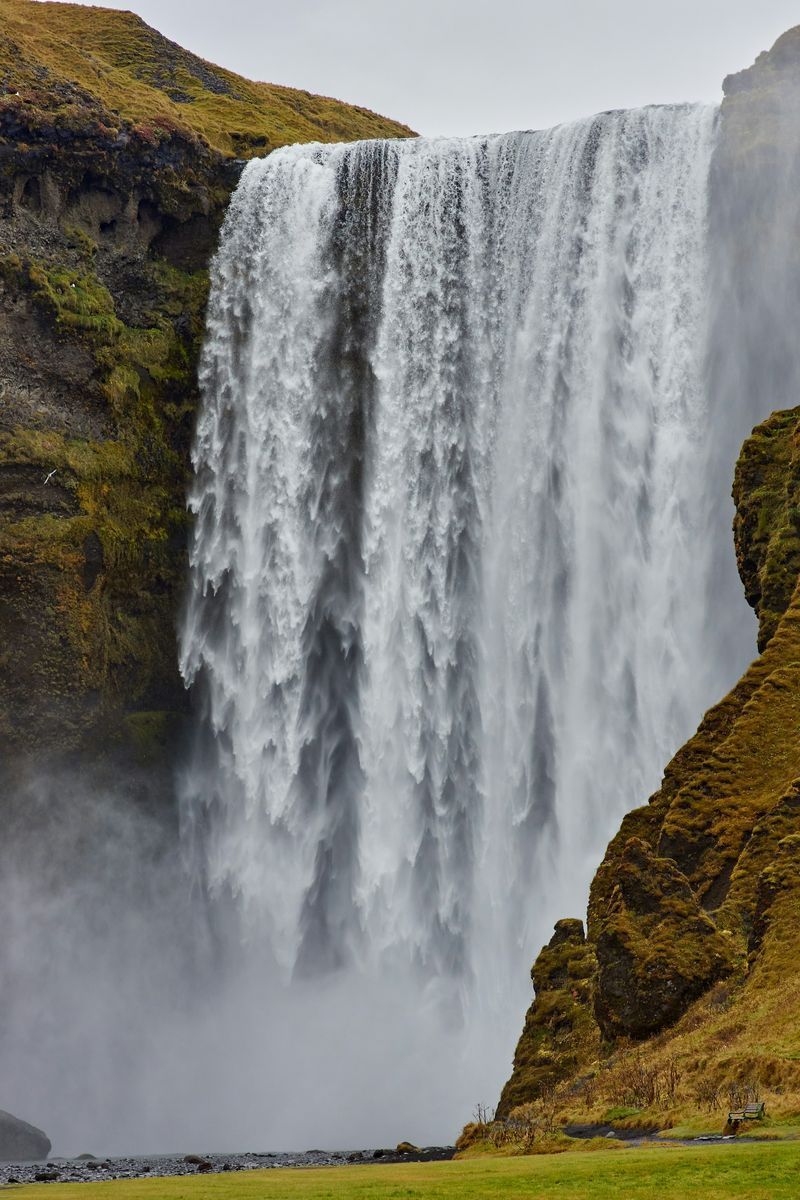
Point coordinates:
pixel 760 1172
pixel 65 59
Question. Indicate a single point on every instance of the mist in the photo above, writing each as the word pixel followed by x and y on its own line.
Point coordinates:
pixel 132 1025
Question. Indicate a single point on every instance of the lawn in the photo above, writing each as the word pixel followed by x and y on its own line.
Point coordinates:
pixel 721 1172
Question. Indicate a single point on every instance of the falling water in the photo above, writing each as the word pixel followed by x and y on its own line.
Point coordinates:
pixel 452 559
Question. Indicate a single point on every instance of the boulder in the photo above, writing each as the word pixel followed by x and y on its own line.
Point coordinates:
pixel 21 1142
pixel 559 1026
pixel 657 950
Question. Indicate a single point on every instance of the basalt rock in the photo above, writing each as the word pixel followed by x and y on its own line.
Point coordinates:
pixel 656 949
pixel 559 1028
pixel 21 1142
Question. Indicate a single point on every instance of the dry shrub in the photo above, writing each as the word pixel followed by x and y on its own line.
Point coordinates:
pixel 587 1089
pixel 707 1095
pixel 741 1093
pixel 636 1083
pixel 721 996
pixel 479 1129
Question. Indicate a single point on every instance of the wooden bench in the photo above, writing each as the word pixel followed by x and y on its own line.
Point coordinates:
pixel 750 1112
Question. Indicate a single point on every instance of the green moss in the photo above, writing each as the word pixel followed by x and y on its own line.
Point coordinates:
pixel 106 638
pixel 81 68
pixel 150 734
pixel 78 239
pixel 767 494
pixel 620 1112
pixel 559 1032
pixel 77 300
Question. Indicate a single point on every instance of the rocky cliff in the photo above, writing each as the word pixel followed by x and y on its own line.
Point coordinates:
pixel 118 152
pixel 681 997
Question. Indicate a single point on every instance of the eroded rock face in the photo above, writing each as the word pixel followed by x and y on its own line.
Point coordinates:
pixel 559 1027
pixel 21 1142
pixel 656 950
pixel 110 203
pixel 100 329
pixel 766 528
pixel 778 887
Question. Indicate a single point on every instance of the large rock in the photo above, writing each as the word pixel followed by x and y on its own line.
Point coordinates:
pixel 21 1142
pixel 657 951
pixel 559 1026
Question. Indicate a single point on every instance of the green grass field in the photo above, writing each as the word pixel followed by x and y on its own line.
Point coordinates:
pixel 754 1172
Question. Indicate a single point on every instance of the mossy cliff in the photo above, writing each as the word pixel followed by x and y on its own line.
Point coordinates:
pixel 692 1000
pixel 116 164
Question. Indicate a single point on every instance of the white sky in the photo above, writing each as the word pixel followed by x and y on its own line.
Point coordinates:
pixel 478 66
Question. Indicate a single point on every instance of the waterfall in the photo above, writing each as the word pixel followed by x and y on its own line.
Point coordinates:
pixel 455 516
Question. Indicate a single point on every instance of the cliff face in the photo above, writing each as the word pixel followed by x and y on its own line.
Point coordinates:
pixel 692 928
pixel 115 169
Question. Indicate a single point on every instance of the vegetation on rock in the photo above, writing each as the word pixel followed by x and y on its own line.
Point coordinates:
pixel 559 1025
pixel 115 171
pixel 656 949
pixel 73 70
pixel 766 490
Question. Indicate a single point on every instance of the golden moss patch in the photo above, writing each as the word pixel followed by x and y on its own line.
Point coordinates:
pixel 71 65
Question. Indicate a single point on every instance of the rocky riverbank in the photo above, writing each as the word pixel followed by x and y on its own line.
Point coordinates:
pixel 92 1170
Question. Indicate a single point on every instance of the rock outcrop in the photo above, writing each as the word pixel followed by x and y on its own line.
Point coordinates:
pixel 656 949
pixel 559 1030
pixel 21 1142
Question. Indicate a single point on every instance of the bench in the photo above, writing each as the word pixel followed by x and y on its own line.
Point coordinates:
pixel 750 1112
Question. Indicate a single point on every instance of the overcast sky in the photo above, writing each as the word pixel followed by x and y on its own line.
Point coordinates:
pixel 478 66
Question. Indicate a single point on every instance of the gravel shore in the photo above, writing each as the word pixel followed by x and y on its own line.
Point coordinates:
pixel 86 1170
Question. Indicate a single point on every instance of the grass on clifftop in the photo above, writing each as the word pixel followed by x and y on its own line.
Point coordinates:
pixel 759 1172
pixel 59 62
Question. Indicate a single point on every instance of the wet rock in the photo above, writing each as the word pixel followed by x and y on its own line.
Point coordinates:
pixel 93 560
pixel 407 1148
pixel 559 1025
pixel 21 1142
